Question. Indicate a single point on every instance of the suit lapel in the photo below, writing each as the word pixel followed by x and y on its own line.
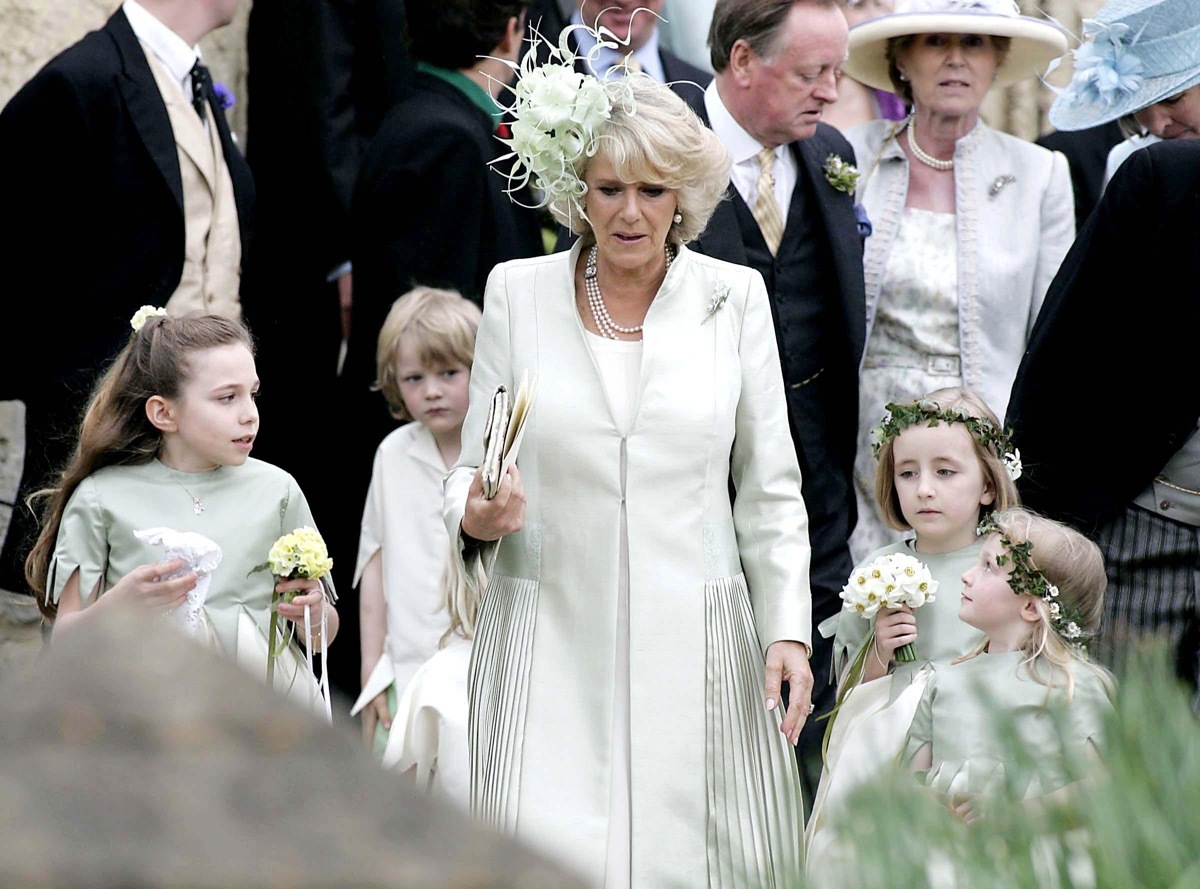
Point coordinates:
pixel 145 104
pixel 239 171
pixel 186 127
pixel 837 209
pixel 722 237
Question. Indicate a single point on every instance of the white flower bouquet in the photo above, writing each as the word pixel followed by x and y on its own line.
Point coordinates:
pixel 889 581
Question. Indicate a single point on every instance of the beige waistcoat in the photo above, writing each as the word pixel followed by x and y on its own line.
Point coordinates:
pixel 212 259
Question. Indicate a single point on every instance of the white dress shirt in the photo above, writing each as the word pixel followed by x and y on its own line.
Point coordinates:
pixel 743 151
pixel 167 46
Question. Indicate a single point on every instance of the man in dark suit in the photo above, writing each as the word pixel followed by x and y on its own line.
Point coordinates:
pixel 322 74
pixel 1087 155
pixel 123 187
pixel 776 68
pixel 1105 407
pixel 428 208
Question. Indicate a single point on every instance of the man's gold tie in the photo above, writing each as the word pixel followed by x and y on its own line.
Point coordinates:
pixel 766 208
pixel 628 65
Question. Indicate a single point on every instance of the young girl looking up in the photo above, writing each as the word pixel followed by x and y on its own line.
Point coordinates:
pixel 423 360
pixel 1036 593
pixel 165 443
pixel 943 462
pixel 941 466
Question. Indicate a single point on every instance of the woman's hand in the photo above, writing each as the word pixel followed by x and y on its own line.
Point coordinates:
pixel 504 514
pixel 376 711
pixel 894 627
pixel 146 585
pixel 787 660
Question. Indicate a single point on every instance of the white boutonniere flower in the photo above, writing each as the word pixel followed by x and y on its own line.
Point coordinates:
pixel 720 294
pixel 841 175
pixel 1012 462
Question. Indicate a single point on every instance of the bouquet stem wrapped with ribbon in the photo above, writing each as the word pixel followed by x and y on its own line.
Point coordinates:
pixel 300 554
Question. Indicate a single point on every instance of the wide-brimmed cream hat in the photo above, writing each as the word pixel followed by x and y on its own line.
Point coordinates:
pixel 1035 42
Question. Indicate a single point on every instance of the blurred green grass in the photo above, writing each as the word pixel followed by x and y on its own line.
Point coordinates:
pixel 1136 825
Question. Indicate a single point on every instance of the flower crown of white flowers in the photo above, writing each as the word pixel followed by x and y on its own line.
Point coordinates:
pixel 144 314
pixel 1027 579
pixel 556 113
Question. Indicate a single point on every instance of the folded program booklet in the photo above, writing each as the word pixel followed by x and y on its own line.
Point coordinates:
pixel 503 432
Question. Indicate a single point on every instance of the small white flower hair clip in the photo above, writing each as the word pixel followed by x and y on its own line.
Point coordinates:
pixel 144 314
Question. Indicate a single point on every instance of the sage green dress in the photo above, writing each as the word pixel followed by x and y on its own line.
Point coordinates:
pixel 869 729
pixel 972 711
pixel 245 510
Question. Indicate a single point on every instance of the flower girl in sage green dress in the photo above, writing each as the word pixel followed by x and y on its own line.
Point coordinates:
pixel 943 462
pixel 1037 593
pixel 164 447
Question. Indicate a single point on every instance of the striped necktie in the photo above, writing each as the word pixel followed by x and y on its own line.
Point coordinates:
pixel 766 208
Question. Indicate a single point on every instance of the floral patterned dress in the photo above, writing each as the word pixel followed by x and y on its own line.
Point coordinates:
pixel 913 349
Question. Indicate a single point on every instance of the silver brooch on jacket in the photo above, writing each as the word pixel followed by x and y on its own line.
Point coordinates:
pixel 998 184
pixel 720 294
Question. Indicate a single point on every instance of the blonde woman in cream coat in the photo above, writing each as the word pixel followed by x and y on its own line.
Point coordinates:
pixel 624 699
pixel 969 224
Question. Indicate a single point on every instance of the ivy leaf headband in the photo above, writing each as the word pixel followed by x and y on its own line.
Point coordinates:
pixel 556 113
pixel 929 413
pixel 1027 579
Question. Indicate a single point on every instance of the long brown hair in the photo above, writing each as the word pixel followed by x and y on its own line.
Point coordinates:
pixel 114 430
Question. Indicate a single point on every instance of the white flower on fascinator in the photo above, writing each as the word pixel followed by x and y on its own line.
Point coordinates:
pixel 556 114
pixel 144 314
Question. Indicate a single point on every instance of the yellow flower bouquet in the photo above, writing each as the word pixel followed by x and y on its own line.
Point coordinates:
pixel 302 553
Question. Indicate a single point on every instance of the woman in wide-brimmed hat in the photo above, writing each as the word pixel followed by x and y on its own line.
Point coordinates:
pixel 970 224
pixel 1139 64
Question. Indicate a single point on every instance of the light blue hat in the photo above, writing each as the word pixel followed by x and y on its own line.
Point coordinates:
pixel 1134 53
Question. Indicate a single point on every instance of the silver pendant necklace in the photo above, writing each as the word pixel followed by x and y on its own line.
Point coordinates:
pixel 197 505
pixel 921 154
pixel 591 286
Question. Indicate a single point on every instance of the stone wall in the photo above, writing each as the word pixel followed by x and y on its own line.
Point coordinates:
pixel 34 31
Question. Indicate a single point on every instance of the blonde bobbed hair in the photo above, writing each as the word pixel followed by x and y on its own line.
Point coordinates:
pixel 659 140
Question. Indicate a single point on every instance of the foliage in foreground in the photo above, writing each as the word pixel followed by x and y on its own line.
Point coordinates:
pixel 1136 825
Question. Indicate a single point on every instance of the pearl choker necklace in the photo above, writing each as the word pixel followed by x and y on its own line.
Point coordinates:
pixel 921 154
pixel 591 286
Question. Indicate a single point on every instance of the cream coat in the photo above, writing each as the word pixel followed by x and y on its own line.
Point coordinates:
pixel 1012 237
pixel 715 794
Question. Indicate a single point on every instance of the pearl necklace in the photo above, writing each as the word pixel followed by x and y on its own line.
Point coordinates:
pixel 921 154
pixel 591 286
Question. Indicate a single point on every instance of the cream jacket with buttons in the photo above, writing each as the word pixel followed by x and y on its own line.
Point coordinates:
pixel 1016 221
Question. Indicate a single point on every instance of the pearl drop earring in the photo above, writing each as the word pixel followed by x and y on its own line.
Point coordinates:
pixel 678 218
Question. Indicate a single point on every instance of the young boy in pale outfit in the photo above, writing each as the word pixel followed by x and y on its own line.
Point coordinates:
pixel 424 355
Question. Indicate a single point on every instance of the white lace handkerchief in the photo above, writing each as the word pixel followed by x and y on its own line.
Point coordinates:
pixel 200 555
